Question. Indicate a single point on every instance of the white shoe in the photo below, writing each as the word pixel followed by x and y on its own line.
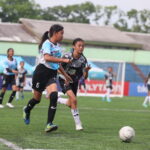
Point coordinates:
pixel 10 105
pixel 79 127
pixel 1 106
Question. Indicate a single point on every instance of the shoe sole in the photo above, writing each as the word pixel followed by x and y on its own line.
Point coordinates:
pixel 52 129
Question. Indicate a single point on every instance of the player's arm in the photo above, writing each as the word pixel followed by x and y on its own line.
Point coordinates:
pixel 50 58
pixel 86 71
pixel 62 71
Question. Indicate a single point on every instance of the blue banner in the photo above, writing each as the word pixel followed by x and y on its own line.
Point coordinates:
pixel 137 89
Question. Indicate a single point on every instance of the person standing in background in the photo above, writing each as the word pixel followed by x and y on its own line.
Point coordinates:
pixel 147 98
pixel 9 77
pixel 20 80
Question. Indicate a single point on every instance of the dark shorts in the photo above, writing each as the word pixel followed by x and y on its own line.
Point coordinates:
pixel 42 77
pixel 20 83
pixel 148 87
pixel 72 86
pixel 8 79
pixel 109 87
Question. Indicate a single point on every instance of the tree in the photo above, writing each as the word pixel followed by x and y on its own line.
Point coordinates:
pixel 80 13
pixel 12 10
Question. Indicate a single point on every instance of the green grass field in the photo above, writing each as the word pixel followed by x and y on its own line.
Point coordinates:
pixel 101 121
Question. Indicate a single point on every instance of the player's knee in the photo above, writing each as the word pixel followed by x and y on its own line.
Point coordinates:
pixel 73 101
pixel 53 98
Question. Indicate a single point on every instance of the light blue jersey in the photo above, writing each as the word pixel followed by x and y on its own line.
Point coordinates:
pixel 12 65
pixel 51 49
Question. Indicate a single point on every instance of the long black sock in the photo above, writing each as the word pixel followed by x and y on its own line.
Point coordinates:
pixel 52 107
pixel 1 97
pixel 31 104
pixel 12 96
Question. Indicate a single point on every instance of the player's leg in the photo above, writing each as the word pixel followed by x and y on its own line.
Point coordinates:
pixel 12 95
pixel 64 89
pixel 22 92
pixel 53 95
pixel 3 90
pixel 74 110
pixel 108 94
pixel 145 103
pixel 5 83
pixel 17 93
pixel 147 98
pixel 30 105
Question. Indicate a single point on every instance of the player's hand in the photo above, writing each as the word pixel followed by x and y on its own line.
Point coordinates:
pixel 67 60
pixel 15 72
pixel 88 68
pixel 68 79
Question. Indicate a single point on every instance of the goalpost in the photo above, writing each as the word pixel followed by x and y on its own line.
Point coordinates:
pixel 95 84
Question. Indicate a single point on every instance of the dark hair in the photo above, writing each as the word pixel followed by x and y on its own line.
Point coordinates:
pixel 53 29
pixel 77 40
pixel 9 50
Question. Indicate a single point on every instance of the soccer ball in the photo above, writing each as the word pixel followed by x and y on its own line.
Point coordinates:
pixel 126 133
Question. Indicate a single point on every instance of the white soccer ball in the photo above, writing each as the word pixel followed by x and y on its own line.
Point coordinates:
pixel 126 133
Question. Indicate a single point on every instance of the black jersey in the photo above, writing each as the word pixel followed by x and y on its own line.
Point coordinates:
pixel 76 68
pixel 21 74
pixel 109 78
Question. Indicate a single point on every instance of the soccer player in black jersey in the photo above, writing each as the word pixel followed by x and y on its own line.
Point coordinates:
pixel 45 74
pixel 76 69
pixel 109 83
pixel 147 98
pixel 20 80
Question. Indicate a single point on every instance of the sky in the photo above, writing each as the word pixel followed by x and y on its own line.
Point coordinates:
pixel 122 4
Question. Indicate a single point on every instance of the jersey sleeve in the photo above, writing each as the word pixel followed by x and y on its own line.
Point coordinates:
pixel 46 48
pixel 5 64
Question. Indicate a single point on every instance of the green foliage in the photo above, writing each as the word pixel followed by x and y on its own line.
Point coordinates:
pixel 133 20
pixel 12 10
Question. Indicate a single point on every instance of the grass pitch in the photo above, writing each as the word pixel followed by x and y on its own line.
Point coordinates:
pixel 101 121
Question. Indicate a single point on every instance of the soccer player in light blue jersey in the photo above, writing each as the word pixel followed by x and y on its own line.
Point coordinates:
pixel 45 74
pixel 10 71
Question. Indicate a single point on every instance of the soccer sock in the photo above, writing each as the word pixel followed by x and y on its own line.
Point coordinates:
pixel 1 97
pixel 62 100
pixel 22 95
pixel 12 96
pixel 31 104
pixel 146 100
pixel 17 95
pixel 52 107
pixel 108 93
pixel 76 117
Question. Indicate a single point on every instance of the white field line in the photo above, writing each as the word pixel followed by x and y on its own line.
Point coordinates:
pixel 105 109
pixel 14 146
pixel 10 144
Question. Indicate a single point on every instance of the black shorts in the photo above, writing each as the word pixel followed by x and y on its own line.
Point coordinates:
pixel 42 77
pixel 20 83
pixel 8 79
pixel 109 87
pixel 72 86
pixel 148 87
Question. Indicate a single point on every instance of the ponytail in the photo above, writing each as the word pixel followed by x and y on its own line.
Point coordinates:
pixel 48 34
pixel 44 38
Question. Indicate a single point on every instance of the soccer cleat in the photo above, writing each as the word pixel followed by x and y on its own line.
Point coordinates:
pixel 10 105
pixel 1 106
pixel 51 127
pixel 145 105
pixel 26 116
pixel 79 127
